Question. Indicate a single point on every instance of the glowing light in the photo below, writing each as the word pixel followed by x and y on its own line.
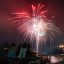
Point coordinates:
pixel 35 26
pixel 54 59
pixel 61 46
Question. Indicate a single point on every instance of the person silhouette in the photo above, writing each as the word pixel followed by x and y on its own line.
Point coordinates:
pixel 23 49
pixel 12 53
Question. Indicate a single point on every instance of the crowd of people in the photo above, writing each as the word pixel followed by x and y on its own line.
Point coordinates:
pixel 20 54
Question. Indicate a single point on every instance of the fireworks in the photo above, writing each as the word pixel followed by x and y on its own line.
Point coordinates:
pixel 36 26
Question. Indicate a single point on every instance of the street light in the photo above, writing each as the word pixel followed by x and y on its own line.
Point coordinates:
pixel 61 46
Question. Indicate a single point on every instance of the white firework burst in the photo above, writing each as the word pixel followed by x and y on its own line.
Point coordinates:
pixel 36 26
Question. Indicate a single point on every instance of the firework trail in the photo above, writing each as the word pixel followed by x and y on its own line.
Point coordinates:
pixel 35 26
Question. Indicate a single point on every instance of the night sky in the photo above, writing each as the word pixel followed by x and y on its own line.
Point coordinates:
pixel 8 30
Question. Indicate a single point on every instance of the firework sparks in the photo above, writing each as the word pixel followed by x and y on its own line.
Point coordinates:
pixel 36 26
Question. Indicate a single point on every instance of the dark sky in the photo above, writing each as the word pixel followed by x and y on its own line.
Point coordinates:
pixel 8 31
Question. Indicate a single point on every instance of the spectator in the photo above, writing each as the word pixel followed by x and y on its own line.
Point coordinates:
pixel 23 49
pixel 12 53
pixel 29 53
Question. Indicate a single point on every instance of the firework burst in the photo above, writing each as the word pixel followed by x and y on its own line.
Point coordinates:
pixel 36 26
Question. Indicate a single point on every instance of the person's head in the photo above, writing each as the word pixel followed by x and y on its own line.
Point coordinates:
pixel 28 45
pixel 13 44
pixel 24 44
pixel 20 45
